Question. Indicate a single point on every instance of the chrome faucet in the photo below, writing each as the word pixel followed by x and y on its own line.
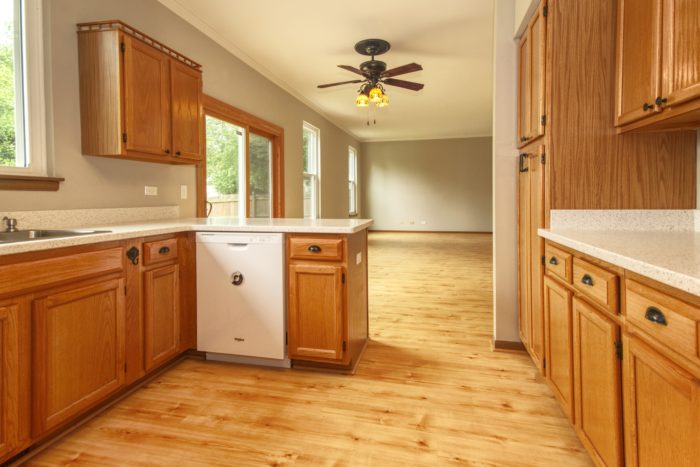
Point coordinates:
pixel 10 224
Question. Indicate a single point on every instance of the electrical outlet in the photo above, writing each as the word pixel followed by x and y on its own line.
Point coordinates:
pixel 183 191
pixel 150 190
pixel 411 222
pixel 423 222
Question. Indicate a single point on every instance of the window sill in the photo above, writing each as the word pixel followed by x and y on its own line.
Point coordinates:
pixel 29 183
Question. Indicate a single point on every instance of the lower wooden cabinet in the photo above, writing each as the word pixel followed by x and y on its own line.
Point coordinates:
pixel 597 383
pixel 662 409
pixel 161 312
pixel 316 311
pixel 558 339
pixel 14 379
pixel 78 350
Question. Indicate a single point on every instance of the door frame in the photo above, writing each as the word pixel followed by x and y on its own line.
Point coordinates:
pixel 252 124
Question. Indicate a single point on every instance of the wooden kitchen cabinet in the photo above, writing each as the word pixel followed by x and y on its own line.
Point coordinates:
pixel 658 64
pixel 78 350
pixel 316 311
pixel 531 78
pixel 14 376
pixel 139 99
pixel 597 385
pixel 161 315
pixel 531 179
pixel 327 299
pixel 662 409
pixel 559 343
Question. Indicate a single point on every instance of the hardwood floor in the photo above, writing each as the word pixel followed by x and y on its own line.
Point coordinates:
pixel 429 390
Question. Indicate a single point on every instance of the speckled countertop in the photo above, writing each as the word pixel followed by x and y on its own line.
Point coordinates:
pixel 215 224
pixel 670 257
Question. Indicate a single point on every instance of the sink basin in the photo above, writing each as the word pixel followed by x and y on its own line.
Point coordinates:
pixel 28 235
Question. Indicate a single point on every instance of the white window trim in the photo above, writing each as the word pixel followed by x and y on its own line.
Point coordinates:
pixel 315 177
pixel 352 151
pixel 34 92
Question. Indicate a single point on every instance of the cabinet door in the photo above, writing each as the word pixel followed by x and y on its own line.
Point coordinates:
pixel 536 170
pixel 559 344
pixel 14 377
pixel 662 409
pixel 524 85
pixel 78 350
pixel 681 33
pixel 161 295
pixel 638 59
pixel 186 91
pixel 524 250
pixel 597 384
pixel 146 98
pixel 316 312
pixel 537 30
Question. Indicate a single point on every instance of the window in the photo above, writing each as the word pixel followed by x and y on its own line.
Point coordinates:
pixel 22 132
pixel 352 180
pixel 312 162
pixel 225 168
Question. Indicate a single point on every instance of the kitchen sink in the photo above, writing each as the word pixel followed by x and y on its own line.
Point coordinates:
pixel 29 235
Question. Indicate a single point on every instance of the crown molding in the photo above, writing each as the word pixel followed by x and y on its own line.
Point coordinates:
pixel 427 138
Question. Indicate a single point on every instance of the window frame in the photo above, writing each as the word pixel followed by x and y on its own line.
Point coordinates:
pixel 315 176
pixel 353 195
pixel 33 114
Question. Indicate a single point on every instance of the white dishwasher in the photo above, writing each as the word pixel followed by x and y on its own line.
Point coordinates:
pixel 241 297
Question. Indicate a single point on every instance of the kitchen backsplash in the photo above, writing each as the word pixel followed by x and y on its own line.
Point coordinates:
pixel 75 218
pixel 675 220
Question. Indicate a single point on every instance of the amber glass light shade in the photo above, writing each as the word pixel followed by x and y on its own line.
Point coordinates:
pixel 375 95
pixel 362 100
pixel 384 101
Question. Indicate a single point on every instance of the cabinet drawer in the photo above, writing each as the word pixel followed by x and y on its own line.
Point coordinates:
pixel 328 249
pixel 596 283
pixel 670 321
pixel 558 262
pixel 160 250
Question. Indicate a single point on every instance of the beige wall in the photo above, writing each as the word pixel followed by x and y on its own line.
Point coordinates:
pixel 446 183
pixel 505 160
pixel 97 182
pixel 523 10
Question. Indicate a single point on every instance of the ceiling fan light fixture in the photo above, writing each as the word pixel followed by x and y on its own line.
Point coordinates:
pixel 362 100
pixel 384 102
pixel 375 95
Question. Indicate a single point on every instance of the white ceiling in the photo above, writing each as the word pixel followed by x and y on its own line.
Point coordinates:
pixel 299 43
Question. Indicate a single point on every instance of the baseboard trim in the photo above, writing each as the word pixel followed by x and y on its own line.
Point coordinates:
pixel 507 346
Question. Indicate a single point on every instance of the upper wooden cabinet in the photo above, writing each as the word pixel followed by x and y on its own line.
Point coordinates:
pixel 531 78
pixel 658 64
pixel 139 99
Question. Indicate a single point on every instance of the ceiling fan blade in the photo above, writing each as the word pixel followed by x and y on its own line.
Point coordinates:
pixel 400 70
pixel 351 68
pixel 403 84
pixel 342 82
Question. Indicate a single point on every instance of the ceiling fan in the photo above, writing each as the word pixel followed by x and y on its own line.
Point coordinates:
pixel 375 75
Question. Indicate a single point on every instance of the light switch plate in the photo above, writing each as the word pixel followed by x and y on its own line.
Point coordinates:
pixel 150 190
pixel 183 191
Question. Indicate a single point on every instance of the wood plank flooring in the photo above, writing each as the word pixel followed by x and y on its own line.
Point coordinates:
pixel 429 390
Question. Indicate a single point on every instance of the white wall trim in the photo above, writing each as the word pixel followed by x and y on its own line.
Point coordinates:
pixel 428 138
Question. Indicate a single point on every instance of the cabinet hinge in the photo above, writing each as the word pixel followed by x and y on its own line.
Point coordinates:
pixel 543 120
pixel 122 47
pixel 618 349
pixel 124 290
pixel 124 137
pixel 342 278
pixel 543 261
pixel 345 346
pixel 543 158
pixel 545 10
pixel 286 338
pixel 124 367
pixel 544 363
